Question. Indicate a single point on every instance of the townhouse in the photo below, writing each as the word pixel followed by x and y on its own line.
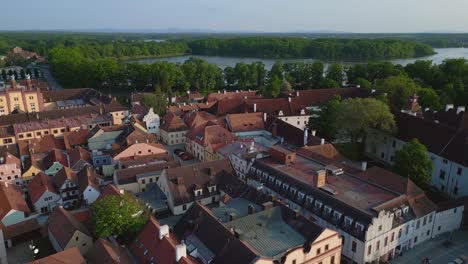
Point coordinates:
pixel 377 213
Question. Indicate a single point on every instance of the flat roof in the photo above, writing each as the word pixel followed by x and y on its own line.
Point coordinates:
pixel 237 206
pixel 347 188
pixel 267 232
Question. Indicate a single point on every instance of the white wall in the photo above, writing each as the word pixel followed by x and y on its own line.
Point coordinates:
pixel 448 220
pixel 49 200
pixel 90 195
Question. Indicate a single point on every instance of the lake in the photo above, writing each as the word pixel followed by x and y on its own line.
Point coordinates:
pixel 223 62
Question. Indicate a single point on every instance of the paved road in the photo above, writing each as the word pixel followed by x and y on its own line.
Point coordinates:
pixel 54 85
pixel 435 250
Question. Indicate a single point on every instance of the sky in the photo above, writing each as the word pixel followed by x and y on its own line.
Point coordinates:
pixel 358 16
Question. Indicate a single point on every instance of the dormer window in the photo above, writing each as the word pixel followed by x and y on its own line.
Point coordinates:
pixel 280 113
pixel 328 209
pixel 198 192
pixel 309 199
pixel 318 204
pixel 360 227
pixel 337 215
pixel 348 220
pixel 212 188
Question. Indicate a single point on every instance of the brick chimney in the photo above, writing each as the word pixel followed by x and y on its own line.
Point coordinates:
pixel 320 179
pixel 28 82
pixel 13 82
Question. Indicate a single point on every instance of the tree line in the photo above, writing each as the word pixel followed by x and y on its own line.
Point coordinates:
pixel 326 49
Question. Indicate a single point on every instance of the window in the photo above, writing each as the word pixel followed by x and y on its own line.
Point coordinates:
pixel 326 247
pixel 33 107
pixel 424 221
pixel 184 207
pixel 415 239
pixel 418 223
pixel 294 261
pixel 84 244
pixel 29 135
pixel 378 245
pixel 380 227
pixel 442 174
pixel 15 99
pixel 143 181
pixel 382 155
pixel 332 260
pixel 455 190
pixel 385 241
pixel 353 246
pixel 7 141
pixel 394 144
pixel 459 171
pixel 76 238
pixel 2 110
pixel 399 233
pixel 444 161
pixel 427 233
pixel 455 210
pixel 369 250
pixel 38 134
pixel 392 237
pixel 438 228
pixel 146 252
pixel 319 251
pixel 430 218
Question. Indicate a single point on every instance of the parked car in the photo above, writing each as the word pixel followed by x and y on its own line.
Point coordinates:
pixel 178 151
pixel 68 206
pixel 186 156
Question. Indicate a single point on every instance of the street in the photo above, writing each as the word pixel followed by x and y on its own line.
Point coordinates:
pixel 436 251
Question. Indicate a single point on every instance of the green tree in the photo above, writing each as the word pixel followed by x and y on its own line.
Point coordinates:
pixel 413 161
pixel 355 116
pixel 323 120
pixel 428 98
pixel 277 71
pixel 157 101
pixel 117 216
pixel 335 72
pixel 286 87
pixel 398 90
pixel 272 90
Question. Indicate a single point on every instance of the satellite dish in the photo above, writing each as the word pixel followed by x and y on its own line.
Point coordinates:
pixel 36 251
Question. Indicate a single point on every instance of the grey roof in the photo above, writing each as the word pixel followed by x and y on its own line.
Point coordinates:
pixel 267 232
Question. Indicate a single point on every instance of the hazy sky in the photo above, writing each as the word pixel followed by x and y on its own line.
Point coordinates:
pixel 239 15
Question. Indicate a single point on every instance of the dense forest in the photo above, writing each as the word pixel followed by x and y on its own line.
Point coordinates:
pixel 328 49
pixel 134 45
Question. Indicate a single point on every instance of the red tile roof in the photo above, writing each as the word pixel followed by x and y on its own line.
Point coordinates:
pixel 63 174
pixel 245 122
pixel 54 156
pixel 109 190
pixel 69 256
pixel 158 250
pixel 239 94
pixel 63 225
pixel 105 252
pixel 172 122
pixel 39 185
pixel 11 198
pixel 75 138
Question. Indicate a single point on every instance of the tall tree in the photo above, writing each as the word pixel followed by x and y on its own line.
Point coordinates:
pixel 398 90
pixel 335 72
pixel 323 120
pixel 355 116
pixel 117 215
pixel 413 161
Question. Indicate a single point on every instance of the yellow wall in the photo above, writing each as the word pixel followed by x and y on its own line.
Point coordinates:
pixel 30 173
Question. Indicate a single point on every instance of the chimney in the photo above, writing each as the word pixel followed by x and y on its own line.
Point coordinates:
pixel 448 107
pixel 460 109
pixel 180 252
pixel 264 117
pixel 274 130
pixel 267 205
pixel 251 209
pixel 364 165
pixel 28 82
pixel 219 91
pixel 224 91
pixel 322 141
pixel 306 136
pixel 373 91
pixel 289 99
pixel 314 132
pixel 255 107
pixel 320 179
pixel 163 231
pixel 232 216
pixel 426 109
pixel 13 82
pixel 237 91
pixel 297 93
pixel 358 86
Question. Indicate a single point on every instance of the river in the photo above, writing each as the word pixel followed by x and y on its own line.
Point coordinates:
pixel 223 62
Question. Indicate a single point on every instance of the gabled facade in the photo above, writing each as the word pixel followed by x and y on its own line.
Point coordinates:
pixel 152 122
pixel 66 182
pixel 13 207
pixel 66 232
pixel 44 196
pixel 10 169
